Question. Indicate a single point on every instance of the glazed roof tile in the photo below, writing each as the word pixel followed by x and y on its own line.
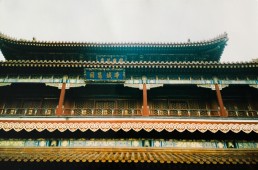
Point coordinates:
pixel 113 44
pixel 135 155
pixel 29 49
pixel 126 64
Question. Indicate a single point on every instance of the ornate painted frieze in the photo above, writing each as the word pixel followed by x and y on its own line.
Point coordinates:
pixel 130 143
pixel 137 125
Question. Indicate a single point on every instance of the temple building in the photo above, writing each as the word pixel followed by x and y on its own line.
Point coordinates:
pixel 76 105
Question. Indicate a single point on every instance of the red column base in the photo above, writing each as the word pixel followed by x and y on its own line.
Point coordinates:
pixel 59 112
pixel 145 111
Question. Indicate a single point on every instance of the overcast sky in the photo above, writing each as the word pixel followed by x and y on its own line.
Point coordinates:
pixel 136 21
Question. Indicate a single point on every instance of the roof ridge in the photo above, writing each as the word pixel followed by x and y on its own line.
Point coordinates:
pixel 219 37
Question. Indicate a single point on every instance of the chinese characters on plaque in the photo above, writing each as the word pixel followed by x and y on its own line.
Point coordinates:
pixel 107 74
pixel 111 58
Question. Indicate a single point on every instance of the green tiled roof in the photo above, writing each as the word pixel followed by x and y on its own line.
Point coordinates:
pixel 208 50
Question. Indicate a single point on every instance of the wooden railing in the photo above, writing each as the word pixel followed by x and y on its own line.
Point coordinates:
pixel 101 112
pixel 185 112
pixel 242 113
pixel 28 111
pixel 124 112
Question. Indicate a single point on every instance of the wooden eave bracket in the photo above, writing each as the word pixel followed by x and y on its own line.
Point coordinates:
pixel 212 86
pixel 254 86
pixel 5 84
pixel 140 86
pixel 68 85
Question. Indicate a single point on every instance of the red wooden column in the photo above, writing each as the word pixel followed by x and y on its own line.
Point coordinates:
pixel 145 103
pixel 59 109
pixel 220 101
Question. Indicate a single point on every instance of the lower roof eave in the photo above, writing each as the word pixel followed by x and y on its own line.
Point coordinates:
pixel 135 155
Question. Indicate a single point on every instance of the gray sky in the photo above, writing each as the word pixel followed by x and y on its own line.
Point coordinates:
pixel 135 21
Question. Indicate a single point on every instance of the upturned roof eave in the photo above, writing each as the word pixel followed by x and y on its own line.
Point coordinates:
pixel 222 37
pixel 9 46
